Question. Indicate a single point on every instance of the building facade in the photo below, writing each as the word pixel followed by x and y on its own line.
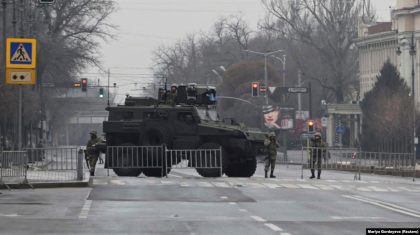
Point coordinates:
pixel 380 41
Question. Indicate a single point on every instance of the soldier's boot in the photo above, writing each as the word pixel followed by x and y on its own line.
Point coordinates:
pixel 319 174
pixel 272 176
pixel 92 173
pixel 313 174
pixel 266 174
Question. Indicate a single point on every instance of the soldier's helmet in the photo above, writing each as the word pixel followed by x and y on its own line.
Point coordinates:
pixel 318 134
pixel 93 132
pixel 174 85
pixel 272 134
pixel 42 141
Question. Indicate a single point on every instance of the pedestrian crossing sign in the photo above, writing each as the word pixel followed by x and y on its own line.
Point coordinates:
pixel 21 53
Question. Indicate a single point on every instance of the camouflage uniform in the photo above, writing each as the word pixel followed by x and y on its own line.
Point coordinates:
pixel 92 153
pixel 271 149
pixel 318 147
pixel 171 97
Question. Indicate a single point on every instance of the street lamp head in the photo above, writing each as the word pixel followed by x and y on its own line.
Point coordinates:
pixel 412 52
pixel 399 51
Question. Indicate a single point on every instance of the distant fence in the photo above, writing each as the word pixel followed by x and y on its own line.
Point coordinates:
pixel 351 159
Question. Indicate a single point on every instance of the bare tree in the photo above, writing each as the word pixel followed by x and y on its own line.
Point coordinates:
pixel 328 27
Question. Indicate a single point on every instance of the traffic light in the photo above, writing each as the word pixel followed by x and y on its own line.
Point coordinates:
pixel 310 126
pixel 77 84
pixel 47 1
pixel 84 84
pixel 101 92
pixel 255 89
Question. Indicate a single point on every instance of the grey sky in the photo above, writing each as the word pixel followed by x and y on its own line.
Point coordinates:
pixel 146 24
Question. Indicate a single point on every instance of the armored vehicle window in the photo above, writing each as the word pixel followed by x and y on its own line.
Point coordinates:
pixel 124 115
pixel 182 116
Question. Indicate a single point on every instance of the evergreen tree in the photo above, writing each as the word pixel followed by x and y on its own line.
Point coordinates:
pixel 384 111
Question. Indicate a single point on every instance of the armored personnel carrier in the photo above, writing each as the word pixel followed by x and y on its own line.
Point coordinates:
pixel 191 123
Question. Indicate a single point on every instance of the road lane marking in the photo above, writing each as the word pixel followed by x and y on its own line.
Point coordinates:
pixel 232 203
pixel 354 217
pixel 242 210
pixel 257 218
pixel 11 215
pixel 393 189
pixel 168 182
pixel 346 181
pixel 288 180
pixel 331 180
pixel 175 176
pixel 223 197
pixel 385 205
pixel 285 234
pixel 273 227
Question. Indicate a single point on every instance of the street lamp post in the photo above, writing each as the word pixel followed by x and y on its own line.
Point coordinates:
pixel 412 54
pixel 265 68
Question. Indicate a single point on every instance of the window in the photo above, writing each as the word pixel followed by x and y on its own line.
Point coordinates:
pixel 124 115
pixel 182 116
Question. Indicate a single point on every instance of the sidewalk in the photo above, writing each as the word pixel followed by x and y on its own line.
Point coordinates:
pixel 47 179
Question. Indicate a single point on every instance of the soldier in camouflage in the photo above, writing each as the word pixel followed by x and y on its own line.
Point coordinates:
pixel 172 96
pixel 92 151
pixel 271 149
pixel 318 147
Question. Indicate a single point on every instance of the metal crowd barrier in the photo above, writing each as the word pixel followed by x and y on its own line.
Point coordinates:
pixel 135 157
pixel 162 158
pixel 351 159
pixel 400 164
pixel 195 158
pixel 343 159
pixel 14 164
pixel 53 158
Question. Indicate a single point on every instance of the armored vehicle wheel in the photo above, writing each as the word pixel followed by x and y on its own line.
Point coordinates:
pixel 212 161
pixel 155 172
pixel 124 159
pixel 127 171
pixel 243 169
pixel 155 135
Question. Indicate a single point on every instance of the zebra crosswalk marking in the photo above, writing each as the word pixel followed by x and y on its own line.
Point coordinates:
pixel 271 185
pixel 256 185
pixel 221 184
pixel 376 189
pixel 307 186
pixel 324 187
pixel 117 182
pixel 289 185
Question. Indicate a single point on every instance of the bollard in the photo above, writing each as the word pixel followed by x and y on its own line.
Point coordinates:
pixel 80 165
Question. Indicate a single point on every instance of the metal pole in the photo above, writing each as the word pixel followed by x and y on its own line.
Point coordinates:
pixel 310 101
pixel 4 5
pixel 265 74
pixel 20 119
pixel 109 71
pixel 299 95
pixel 414 97
pixel 284 101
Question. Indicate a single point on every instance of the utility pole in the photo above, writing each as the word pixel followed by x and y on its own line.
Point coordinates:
pixel 4 6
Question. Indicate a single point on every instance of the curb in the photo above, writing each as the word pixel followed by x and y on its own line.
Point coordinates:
pixel 72 184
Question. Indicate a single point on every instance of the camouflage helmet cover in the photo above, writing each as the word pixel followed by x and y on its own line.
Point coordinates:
pixel 272 134
pixel 93 132
pixel 174 85
pixel 318 134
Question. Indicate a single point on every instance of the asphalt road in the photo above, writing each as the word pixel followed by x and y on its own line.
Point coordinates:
pixel 185 203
